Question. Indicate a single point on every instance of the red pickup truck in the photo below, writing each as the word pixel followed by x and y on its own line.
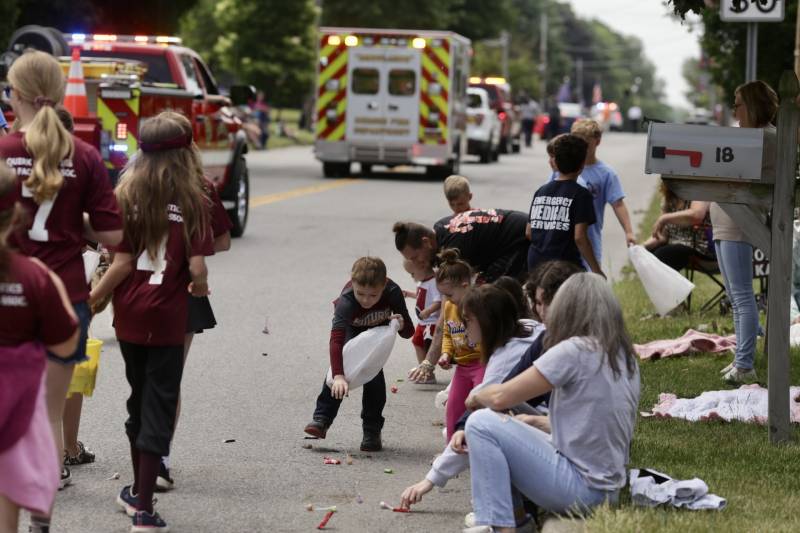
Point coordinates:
pixel 130 78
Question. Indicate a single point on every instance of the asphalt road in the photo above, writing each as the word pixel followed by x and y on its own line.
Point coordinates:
pixel 259 390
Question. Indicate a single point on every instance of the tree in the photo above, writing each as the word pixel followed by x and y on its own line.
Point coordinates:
pixel 408 14
pixel 725 43
pixel 269 43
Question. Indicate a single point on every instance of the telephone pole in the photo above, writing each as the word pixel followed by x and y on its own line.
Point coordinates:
pixel 543 29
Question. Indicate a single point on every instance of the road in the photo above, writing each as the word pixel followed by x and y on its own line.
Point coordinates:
pixel 259 389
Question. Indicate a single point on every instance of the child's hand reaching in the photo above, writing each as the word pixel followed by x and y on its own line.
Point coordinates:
pixel 399 319
pixel 198 289
pixel 458 442
pixel 340 388
pixel 444 361
pixel 414 493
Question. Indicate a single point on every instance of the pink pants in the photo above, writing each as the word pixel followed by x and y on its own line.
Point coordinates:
pixel 464 379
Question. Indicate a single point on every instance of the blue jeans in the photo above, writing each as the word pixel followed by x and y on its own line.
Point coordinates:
pixel 508 457
pixel 736 265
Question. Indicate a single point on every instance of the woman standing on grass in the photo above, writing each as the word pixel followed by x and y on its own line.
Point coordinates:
pixel 755 106
pixel 591 368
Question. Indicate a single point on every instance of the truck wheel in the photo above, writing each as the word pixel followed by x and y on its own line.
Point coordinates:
pixel 335 170
pixel 241 209
pixel 366 169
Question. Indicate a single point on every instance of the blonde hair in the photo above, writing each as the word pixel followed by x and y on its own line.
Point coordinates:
pixel 152 180
pixel 586 128
pixel 37 78
pixel 455 187
pixel 760 101
pixel 368 271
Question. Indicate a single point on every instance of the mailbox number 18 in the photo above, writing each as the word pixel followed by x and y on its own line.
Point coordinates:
pixel 724 155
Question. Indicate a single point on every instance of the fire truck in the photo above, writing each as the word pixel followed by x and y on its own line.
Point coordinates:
pixel 130 78
pixel 391 97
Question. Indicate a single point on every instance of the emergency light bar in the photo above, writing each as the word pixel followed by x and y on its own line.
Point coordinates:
pixel 494 80
pixel 141 39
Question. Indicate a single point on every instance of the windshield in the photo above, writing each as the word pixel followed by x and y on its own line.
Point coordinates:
pixel 157 66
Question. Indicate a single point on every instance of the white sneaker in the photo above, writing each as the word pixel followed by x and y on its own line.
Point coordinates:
pixel 469 526
pixel 735 375
pixel 726 369
pixel 469 520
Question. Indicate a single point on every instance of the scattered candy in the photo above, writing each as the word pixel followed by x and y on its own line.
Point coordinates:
pixel 388 471
pixel 228 441
pixel 394 389
pixel 309 507
pixel 330 508
pixel 388 507
pixel 325 520
pixel 331 461
pixel 266 327
pixel 264 354
pixel 349 459
pixel 400 380
pixel 359 499
pixel 115 475
pixel 307 446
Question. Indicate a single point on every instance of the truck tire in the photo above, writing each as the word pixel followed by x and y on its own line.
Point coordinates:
pixel 335 170
pixel 366 169
pixel 241 209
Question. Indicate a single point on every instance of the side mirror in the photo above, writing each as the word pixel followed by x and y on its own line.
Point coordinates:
pixel 242 94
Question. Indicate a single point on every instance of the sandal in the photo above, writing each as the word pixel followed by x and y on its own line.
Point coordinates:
pixel 83 457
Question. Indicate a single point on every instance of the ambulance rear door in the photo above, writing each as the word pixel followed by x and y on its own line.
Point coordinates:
pixel 401 72
pixel 366 112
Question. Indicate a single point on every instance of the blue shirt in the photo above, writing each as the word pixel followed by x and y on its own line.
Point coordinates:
pixel 601 180
pixel 3 122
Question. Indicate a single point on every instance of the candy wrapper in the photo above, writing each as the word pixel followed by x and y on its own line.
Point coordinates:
pixel 331 461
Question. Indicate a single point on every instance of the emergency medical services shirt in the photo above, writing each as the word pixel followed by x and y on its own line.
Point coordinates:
pixel 53 231
pixel 492 241
pixel 555 210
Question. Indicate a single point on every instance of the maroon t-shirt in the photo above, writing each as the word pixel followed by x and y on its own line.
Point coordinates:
pixel 30 306
pixel 53 231
pixel 220 221
pixel 150 305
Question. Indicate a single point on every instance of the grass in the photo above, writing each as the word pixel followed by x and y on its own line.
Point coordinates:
pixel 299 137
pixel 760 481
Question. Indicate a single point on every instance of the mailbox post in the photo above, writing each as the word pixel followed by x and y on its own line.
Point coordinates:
pixel 724 165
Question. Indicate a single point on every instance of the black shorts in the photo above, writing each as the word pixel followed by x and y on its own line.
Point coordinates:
pixel 154 374
pixel 201 316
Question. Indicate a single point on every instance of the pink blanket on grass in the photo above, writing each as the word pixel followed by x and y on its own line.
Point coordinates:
pixel 691 341
pixel 748 403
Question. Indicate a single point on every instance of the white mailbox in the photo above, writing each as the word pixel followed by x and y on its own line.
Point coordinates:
pixel 705 151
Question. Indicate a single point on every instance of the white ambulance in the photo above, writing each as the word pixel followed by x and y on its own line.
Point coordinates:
pixel 391 97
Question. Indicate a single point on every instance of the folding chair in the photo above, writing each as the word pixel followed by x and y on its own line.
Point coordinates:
pixel 709 267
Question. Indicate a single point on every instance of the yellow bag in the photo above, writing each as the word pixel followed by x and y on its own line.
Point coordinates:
pixel 85 375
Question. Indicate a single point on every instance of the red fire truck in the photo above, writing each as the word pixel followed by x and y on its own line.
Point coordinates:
pixel 132 77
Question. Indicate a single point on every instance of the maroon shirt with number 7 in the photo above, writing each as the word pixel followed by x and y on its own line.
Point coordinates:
pixel 54 229
pixel 150 305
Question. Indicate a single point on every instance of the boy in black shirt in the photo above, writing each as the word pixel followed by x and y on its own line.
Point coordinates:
pixel 562 210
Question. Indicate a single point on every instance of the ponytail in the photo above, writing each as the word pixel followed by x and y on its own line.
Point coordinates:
pixel 452 268
pixel 37 79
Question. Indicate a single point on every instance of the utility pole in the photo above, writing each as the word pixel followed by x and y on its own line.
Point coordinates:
pixel 797 46
pixel 579 78
pixel 505 38
pixel 751 66
pixel 543 29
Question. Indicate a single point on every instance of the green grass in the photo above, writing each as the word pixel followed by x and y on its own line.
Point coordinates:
pixel 291 118
pixel 760 481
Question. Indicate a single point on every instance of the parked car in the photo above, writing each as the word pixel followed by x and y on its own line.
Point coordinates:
pixel 569 111
pixel 483 126
pixel 608 115
pixel 509 114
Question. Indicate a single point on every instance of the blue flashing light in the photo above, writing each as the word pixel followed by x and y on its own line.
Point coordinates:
pixel 78 36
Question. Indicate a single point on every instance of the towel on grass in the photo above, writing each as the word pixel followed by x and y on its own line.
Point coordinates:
pixel 748 403
pixel 651 488
pixel 689 342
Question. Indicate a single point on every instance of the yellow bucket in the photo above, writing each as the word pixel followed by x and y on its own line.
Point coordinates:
pixel 85 375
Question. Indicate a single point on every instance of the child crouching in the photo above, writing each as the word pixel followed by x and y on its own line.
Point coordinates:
pixel 368 300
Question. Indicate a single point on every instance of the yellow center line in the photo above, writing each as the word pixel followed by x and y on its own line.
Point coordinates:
pixel 265 199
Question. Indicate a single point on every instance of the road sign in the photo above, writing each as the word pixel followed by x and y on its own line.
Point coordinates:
pixel 752 10
pixel 707 151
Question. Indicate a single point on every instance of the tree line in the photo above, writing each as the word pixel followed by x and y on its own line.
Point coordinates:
pixel 272 43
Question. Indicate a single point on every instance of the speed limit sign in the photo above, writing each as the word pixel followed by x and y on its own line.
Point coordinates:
pixel 752 10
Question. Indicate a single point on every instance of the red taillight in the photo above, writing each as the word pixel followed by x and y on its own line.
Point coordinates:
pixel 502 115
pixel 479 119
pixel 546 120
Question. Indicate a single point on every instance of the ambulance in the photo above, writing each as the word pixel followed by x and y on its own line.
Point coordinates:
pixel 391 97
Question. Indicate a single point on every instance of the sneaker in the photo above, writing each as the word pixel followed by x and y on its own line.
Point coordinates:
pixel 128 501
pixel 317 429
pixel 66 478
pixel 83 457
pixel 371 441
pixel 527 527
pixel 726 369
pixel 144 522
pixel 735 375
pixel 469 520
pixel 164 482
pixel 38 528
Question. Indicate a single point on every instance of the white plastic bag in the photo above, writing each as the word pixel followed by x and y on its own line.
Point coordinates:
pixel 794 335
pixel 91 260
pixel 366 354
pixel 665 286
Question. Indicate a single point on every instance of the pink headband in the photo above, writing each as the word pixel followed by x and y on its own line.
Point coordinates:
pixel 182 141
pixel 41 101
pixel 9 199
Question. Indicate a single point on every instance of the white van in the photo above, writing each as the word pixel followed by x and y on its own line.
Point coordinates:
pixel 483 126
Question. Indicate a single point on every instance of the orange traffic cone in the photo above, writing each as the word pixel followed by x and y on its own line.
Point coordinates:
pixel 75 100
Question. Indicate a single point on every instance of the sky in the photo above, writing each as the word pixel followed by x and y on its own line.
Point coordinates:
pixel 667 43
